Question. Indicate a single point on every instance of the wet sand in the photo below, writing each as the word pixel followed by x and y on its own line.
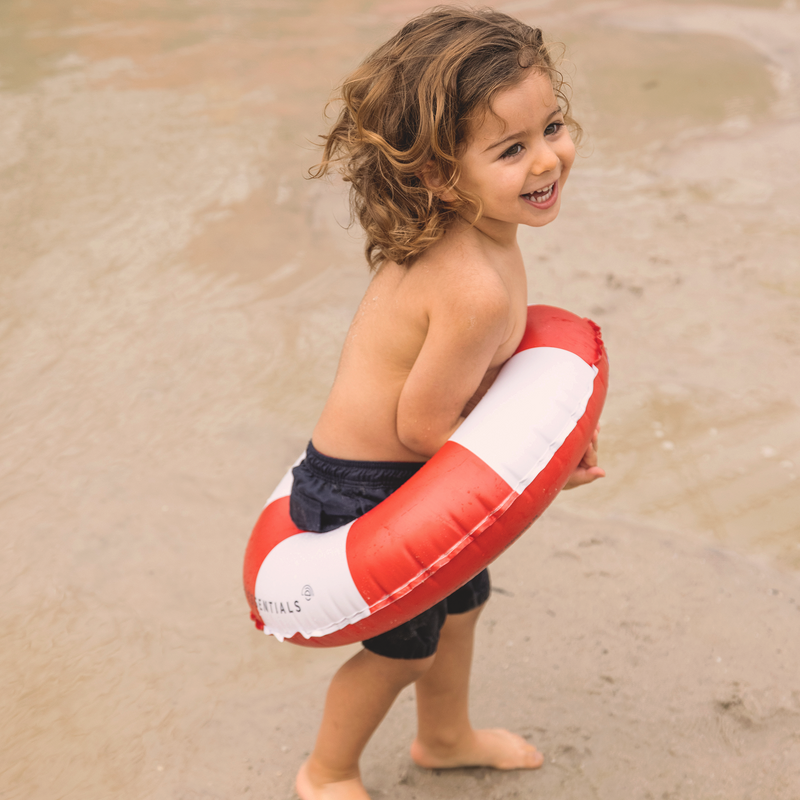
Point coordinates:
pixel 173 296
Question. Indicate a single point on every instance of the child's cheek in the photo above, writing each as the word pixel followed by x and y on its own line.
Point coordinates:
pixel 567 158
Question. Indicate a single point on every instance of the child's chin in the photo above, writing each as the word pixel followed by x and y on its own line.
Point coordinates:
pixel 546 216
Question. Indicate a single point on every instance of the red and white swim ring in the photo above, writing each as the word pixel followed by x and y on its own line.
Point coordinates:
pixel 499 471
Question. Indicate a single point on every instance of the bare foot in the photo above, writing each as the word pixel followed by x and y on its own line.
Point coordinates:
pixel 310 786
pixel 492 747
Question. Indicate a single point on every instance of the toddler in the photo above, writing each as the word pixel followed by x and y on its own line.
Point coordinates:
pixel 452 134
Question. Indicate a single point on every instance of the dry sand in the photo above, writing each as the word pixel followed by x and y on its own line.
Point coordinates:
pixel 173 296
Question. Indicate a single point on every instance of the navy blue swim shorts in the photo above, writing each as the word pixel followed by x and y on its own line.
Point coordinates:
pixel 329 492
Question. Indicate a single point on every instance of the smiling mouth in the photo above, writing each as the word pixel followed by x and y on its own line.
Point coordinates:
pixel 542 196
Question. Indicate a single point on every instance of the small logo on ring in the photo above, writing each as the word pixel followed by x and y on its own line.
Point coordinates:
pixel 307 592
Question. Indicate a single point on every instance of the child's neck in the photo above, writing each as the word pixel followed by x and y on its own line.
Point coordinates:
pixel 490 234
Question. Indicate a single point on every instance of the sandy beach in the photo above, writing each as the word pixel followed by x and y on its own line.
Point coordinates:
pixel 173 298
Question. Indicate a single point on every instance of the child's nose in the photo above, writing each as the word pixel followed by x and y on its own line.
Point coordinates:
pixel 545 160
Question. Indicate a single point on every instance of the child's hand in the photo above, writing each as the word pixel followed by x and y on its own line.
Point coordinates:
pixel 587 471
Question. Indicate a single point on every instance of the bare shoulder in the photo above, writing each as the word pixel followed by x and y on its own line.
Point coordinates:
pixel 463 285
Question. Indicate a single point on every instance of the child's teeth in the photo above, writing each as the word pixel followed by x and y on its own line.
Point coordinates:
pixel 544 194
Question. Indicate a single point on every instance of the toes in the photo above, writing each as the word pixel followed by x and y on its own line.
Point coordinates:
pixel 533 758
pixel 511 751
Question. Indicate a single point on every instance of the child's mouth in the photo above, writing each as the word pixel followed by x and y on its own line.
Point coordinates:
pixel 543 198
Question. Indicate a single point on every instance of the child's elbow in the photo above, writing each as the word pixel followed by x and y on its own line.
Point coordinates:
pixel 424 441
pixel 421 444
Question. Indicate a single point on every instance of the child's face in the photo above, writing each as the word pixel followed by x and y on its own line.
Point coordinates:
pixel 518 159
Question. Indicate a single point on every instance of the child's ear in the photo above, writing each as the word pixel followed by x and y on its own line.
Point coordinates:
pixel 432 180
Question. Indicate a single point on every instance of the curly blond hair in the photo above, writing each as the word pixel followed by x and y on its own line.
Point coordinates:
pixel 407 109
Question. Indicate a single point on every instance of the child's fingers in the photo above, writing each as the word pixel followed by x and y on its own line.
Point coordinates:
pixel 591 474
pixel 589 457
pixel 584 475
pixel 588 469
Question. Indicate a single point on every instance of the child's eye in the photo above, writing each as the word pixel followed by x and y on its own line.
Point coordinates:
pixel 514 150
pixel 553 128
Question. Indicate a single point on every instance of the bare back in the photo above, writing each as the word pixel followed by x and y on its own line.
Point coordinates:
pixel 425 344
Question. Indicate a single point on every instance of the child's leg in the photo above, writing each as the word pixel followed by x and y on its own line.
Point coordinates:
pixel 445 737
pixel 360 694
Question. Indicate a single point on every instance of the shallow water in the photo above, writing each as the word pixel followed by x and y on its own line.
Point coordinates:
pixel 174 294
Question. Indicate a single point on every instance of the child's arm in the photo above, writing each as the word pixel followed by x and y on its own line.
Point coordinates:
pixel 587 471
pixel 465 332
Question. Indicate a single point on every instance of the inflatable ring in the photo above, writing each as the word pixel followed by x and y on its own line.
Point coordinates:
pixel 497 473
